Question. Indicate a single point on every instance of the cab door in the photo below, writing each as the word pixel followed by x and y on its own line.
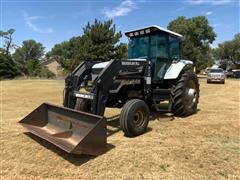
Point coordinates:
pixel 164 48
pixel 159 55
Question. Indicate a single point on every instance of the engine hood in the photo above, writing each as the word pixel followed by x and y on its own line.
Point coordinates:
pixel 104 64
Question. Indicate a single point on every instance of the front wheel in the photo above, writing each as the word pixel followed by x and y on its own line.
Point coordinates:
pixel 134 118
pixel 83 105
pixel 185 95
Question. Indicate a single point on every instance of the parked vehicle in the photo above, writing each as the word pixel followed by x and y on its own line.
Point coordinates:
pixel 236 73
pixel 216 75
pixel 229 74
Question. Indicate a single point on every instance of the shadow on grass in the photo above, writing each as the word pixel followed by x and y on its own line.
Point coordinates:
pixel 75 159
pixel 166 116
pixel 113 122
pixel 202 77
pixel 216 83
pixel 161 116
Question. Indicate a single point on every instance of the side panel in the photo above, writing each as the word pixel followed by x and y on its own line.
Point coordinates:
pixel 175 69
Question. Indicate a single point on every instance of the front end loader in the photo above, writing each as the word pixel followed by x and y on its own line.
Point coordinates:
pixel 153 75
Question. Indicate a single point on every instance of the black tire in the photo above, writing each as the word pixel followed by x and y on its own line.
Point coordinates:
pixel 185 95
pixel 134 118
pixel 83 105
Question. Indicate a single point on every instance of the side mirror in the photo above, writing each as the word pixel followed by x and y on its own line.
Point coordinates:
pixel 175 58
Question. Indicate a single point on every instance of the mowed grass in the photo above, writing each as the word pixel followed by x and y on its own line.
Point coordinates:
pixel 205 145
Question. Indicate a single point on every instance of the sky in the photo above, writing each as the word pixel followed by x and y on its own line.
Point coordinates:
pixel 53 21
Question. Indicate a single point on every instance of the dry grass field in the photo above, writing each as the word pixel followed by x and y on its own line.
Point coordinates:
pixel 203 146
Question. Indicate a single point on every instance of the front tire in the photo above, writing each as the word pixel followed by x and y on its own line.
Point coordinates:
pixel 83 105
pixel 134 118
pixel 185 95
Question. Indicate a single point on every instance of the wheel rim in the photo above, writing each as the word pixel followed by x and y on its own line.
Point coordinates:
pixel 138 118
pixel 191 94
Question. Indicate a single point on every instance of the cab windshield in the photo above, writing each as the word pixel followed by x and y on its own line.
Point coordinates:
pixel 159 48
pixel 138 47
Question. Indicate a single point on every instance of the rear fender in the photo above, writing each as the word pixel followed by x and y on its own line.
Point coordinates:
pixel 176 68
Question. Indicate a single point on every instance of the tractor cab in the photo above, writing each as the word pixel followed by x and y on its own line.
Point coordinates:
pixel 158 45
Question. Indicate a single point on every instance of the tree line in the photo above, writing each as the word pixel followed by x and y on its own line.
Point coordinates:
pixel 100 41
pixel 25 61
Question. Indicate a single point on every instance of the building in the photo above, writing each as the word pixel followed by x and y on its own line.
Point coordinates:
pixel 53 66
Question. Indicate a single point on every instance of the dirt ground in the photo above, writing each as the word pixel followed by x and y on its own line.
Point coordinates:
pixel 203 146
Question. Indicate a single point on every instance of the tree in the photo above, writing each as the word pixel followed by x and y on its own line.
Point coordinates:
pixel 121 52
pixel 27 57
pixel 7 66
pixel 228 53
pixel 8 39
pixel 198 35
pixel 102 40
pixel 70 53
pixel 98 43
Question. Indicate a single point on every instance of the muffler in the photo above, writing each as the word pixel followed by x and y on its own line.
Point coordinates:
pixel 73 131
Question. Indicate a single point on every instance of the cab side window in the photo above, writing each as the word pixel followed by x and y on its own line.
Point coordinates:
pixel 162 51
pixel 174 48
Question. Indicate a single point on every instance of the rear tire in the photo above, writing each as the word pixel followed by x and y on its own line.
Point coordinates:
pixel 83 105
pixel 185 95
pixel 134 118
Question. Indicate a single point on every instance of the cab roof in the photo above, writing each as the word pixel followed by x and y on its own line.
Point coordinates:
pixel 150 29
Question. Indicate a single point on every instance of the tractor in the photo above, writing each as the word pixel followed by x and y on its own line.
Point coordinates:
pixel 154 74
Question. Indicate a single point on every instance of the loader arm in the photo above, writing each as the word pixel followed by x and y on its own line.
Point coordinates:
pixel 102 84
pixel 73 82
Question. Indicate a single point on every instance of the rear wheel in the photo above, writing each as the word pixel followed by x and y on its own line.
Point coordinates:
pixel 134 118
pixel 185 95
pixel 83 105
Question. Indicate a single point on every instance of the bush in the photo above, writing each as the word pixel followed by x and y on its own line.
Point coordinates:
pixel 7 67
pixel 33 68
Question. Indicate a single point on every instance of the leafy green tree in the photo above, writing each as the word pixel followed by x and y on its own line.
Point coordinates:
pixel 103 39
pixel 198 35
pixel 8 40
pixel 33 67
pixel 228 53
pixel 98 43
pixel 121 52
pixel 27 57
pixel 70 53
pixel 7 66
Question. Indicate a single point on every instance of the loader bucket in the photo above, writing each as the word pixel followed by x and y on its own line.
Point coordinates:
pixel 73 131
